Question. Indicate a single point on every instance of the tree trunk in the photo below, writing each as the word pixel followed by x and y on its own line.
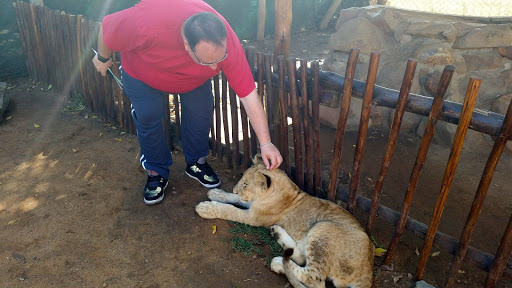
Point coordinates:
pixel 261 19
pixel 283 16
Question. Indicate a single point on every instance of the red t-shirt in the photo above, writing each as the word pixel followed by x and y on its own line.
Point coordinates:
pixel 148 36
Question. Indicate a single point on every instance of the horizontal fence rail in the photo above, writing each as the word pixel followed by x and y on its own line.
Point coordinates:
pixel 296 93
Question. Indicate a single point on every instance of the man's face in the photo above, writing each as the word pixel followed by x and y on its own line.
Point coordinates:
pixel 207 53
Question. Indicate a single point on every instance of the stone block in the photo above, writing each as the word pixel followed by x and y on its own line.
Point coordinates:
pixel 491 36
pixel 358 33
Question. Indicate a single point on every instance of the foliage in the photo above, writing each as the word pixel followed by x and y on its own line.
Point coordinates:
pixel 76 104
pixel 253 240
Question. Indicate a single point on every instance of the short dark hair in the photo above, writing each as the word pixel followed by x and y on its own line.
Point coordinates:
pixel 204 26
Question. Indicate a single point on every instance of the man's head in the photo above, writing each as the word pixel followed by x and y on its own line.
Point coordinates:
pixel 205 38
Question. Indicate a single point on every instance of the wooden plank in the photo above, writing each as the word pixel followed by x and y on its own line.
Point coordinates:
pixel 420 158
pixel 363 129
pixel 469 102
pixel 342 121
pixel 392 141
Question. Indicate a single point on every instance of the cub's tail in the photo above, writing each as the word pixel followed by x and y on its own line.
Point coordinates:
pixel 288 266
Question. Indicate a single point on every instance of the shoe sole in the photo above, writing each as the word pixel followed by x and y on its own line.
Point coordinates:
pixel 157 200
pixel 205 185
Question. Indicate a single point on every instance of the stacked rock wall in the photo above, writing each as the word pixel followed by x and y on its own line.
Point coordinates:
pixel 479 47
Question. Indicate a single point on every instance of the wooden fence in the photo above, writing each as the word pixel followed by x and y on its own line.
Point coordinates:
pixel 57 47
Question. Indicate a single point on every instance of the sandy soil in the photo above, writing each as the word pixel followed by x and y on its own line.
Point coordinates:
pixel 72 215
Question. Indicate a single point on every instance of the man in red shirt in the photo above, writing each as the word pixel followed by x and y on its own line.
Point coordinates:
pixel 177 47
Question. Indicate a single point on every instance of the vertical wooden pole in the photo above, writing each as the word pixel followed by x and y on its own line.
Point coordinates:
pixel 245 133
pixel 342 121
pixel 297 137
pixel 437 106
pixel 305 121
pixel 234 127
pixel 315 114
pixel 249 53
pixel 166 122
pixel 177 115
pixel 283 106
pixel 481 193
pixel 212 126
pixel 363 128
pixel 283 16
pixel 269 99
pixel 225 121
pixel 460 134
pixel 218 122
pixel 392 141
pixel 501 258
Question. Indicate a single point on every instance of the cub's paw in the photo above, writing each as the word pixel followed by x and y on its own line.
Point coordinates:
pixel 206 210
pixel 274 232
pixel 277 265
pixel 282 237
pixel 217 195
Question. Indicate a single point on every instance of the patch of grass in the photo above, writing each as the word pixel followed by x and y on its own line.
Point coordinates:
pixel 76 105
pixel 251 240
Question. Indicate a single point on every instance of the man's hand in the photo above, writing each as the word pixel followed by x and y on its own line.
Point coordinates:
pixel 271 156
pixel 100 66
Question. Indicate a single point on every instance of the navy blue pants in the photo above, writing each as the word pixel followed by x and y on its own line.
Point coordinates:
pixel 148 112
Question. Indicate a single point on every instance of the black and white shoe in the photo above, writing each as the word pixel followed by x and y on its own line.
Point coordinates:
pixel 154 190
pixel 204 174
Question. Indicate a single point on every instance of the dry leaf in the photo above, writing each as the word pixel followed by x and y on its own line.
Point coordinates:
pixel 214 228
pixel 36 125
pixel 435 254
pixel 8 118
pixel 369 179
pixel 380 252
pixel 12 222
pixel 10 87
pixel 119 140
pixel 417 252
pixel 461 271
pixel 101 134
pixel 49 86
pixel 94 117
pixel 75 150
pixel 396 278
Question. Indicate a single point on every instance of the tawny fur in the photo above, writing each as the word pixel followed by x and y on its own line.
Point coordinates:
pixel 324 240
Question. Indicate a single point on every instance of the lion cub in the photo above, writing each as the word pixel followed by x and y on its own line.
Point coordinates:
pixel 322 241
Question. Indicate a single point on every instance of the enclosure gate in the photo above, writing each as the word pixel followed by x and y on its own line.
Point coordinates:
pixel 288 91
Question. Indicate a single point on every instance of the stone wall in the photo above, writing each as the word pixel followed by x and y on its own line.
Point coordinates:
pixel 475 46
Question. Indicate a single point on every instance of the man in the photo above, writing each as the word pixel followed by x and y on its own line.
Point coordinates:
pixel 177 47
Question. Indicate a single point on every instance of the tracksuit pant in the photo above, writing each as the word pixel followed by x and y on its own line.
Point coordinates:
pixel 148 112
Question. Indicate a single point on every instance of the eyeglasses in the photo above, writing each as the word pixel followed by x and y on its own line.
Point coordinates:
pixel 212 63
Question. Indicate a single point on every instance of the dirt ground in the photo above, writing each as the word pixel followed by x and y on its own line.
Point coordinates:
pixel 72 215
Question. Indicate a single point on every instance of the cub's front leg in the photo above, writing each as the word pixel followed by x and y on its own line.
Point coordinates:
pixel 220 195
pixel 213 209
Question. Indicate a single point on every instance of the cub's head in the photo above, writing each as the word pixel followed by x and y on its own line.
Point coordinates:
pixel 260 183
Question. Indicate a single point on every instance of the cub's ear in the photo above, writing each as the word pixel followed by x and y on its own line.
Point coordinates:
pixel 257 160
pixel 266 181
